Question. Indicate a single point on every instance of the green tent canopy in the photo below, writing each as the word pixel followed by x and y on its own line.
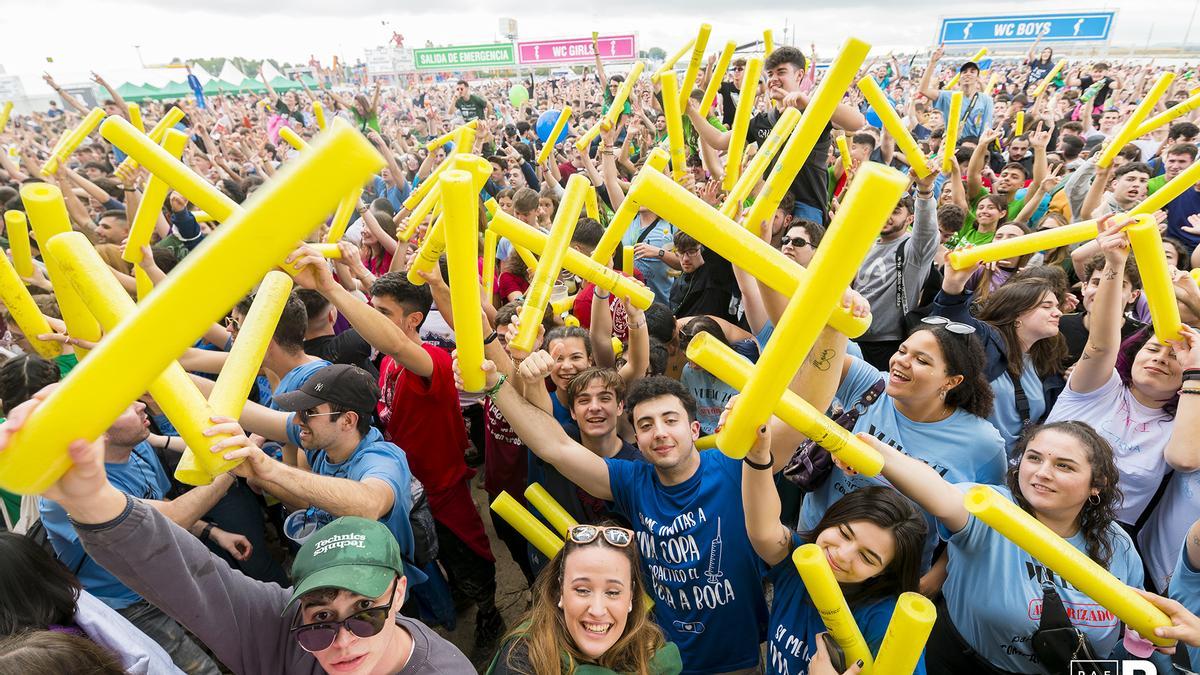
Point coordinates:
pixel 217 87
pixel 135 93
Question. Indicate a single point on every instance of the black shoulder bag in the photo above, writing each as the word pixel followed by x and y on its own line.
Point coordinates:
pixel 811 464
pixel 1057 642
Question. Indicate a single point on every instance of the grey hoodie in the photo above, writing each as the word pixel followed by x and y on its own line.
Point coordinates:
pixel 876 279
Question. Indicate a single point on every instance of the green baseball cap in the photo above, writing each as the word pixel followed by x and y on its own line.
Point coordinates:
pixel 351 553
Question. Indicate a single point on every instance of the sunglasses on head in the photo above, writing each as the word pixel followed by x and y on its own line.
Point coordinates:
pixel 614 536
pixel 316 637
pixel 952 326
pixel 796 242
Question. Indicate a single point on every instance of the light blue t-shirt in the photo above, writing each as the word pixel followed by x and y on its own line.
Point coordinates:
pixel 993 593
pixel 653 270
pixel 962 448
pixel 795 622
pixel 1185 589
pixel 977 117
pixel 142 477
pixel 1004 413
pixel 711 395
pixel 296 377
pixel 704 577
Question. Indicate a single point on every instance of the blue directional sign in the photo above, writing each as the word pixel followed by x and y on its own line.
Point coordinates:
pixel 1070 27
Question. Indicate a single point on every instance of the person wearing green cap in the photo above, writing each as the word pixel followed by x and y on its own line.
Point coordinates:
pixel 342 615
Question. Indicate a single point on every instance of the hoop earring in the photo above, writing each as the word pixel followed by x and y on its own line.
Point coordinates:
pixel 1095 497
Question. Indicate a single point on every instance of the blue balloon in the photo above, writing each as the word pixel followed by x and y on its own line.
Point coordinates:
pixel 873 118
pixel 545 124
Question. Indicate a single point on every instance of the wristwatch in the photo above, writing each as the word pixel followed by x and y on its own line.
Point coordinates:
pixel 662 253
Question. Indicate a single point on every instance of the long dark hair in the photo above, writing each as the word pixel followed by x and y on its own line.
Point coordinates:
pixel 1126 355
pixel 1094 518
pixel 36 590
pixel 964 356
pixel 1001 310
pixel 891 511
pixel 22 376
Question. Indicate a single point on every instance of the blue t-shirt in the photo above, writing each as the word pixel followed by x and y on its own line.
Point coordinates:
pixel 296 377
pixel 1178 210
pixel 1185 589
pixel 977 112
pixel 394 195
pixel 711 395
pixel 704 577
pixel 142 477
pixel 942 445
pixel 795 622
pixel 999 624
pixel 1004 413
pixel 654 271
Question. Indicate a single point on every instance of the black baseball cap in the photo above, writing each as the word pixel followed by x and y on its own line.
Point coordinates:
pixel 969 65
pixel 345 386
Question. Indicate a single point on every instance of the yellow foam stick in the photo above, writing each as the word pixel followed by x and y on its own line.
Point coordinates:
pixel 706 442
pixel 717 77
pixel 1019 125
pixel 991 83
pixel 821 107
pixel 894 125
pixel 150 207
pixel 24 311
pixel 431 180
pixel 732 369
pixel 768 41
pixel 732 206
pixel 563 306
pixel 145 151
pixel 207 284
pixel 591 205
pixel 460 209
pixel 5 113
pixel 551 140
pixel 48 217
pixel 618 104
pixel 741 123
pixel 866 207
pixel 16 227
pixel 292 138
pixel 550 263
pixel 423 208
pixel 341 217
pixel 1043 240
pixel 627 263
pixel 466 139
pixel 657 160
pixel 953 125
pixel 669 64
pixel 169 120
pixel 827 597
pixel 490 239
pixel 550 509
pixel 203 217
pixel 330 251
pixel 319 115
pixel 443 139
pixel 72 140
pixel 586 138
pixel 1169 115
pixel 527 257
pixel 435 240
pixel 1146 243
pixel 135 116
pixel 1041 88
pixel 844 152
pixel 521 520
pixel 1068 562
pixel 974 57
pixel 737 245
pixel 693 69
pixel 1128 131
pixel 674 117
pixel 907 632
pixel 525 235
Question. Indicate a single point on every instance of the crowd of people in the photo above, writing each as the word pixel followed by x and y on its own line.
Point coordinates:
pixel 348 539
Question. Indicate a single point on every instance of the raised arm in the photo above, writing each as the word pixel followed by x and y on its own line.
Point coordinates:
pixel 921 483
pixel 978 159
pixel 708 134
pixel 637 359
pixel 927 88
pixel 1095 193
pixel 267 83
pixel 122 106
pixel 599 67
pixel 1099 358
pixel 66 97
pixel 1183 451
pixel 771 539
pixel 1039 139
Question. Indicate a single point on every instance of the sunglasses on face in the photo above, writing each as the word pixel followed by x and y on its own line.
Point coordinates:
pixel 795 242
pixel 232 323
pixel 952 326
pixel 304 415
pixel 316 637
pixel 614 536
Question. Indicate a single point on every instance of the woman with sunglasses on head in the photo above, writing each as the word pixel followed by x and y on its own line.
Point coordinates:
pixel 590 614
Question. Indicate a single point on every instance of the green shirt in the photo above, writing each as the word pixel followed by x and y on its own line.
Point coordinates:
pixel 66 362
pixel 1155 183
pixel 472 107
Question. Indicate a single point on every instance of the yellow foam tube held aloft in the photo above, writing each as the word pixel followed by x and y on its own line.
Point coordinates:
pixel 341 216
pixel 135 116
pixel 866 207
pixel 618 103
pixel 1041 88
pixel 16 228
pixel 319 114
pixel 443 139
pixel 721 235
pixel 975 58
pixel 689 76
pixel 706 442
pixel 732 369
pixel 717 77
pixel 1169 115
pixel 827 597
pixel 1073 565
pixel 1147 247
pixel 953 125
pixel 72 140
pixel 488 281
pixel 197 293
pixel 150 207
pixel 894 125
pixel 550 263
pixel 435 241
pixel 741 123
pixel 586 139
pixel 521 520
pixel 674 117
pixel 670 62
pixel 591 204
pixel 292 138
pixel 5 113
pixel 24 311
pixel 1019 125
pixel 657 161
pixel 1042 240
pixel 168 121
pixel 812 126
pixel 550 509
pixel 907 632
pixel 525 235
pixel 1128 131
pixel 421 210
pixel 559 125
pixel 844 152
pixel 736 197
pixel 627 260
pixel 160 163
pixel 768 41
pixel 460 208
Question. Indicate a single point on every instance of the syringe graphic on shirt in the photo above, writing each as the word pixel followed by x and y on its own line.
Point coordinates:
pixel 714 572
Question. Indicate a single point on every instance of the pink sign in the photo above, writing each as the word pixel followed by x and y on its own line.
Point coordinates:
pixel 577 50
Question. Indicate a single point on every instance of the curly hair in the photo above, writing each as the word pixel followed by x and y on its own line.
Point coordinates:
pixel 964 356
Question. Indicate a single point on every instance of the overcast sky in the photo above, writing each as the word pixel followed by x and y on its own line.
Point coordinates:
pixel 84 34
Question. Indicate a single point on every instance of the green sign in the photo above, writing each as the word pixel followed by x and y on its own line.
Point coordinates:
pixel 469 57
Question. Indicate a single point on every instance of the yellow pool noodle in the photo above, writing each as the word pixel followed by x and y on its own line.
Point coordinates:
pixel 431 180
pixel 591 204
pixel 1019 124
pixel 672 60
pixel 974 57
pixel 1042 240
pixel 627 260
pixel 209 281
pixel 586 138
pixel 445 138
pixel 203 217
pixel 72 140
pixel 435 241
pixel 1041 88
pixel 953 125
pixel 827 597
pixel 319 115
pixel 674 117
pixel 741 123
pixel 867 205
pixel 812 124
pixel 135 116
pixel 657 160
pixel 490 239
pixel 5 113
pixel 894 125
pixel 521 520
pixel 728 366
pixel 768 41
pixel 168 121
pixel 563 306
pixel 907 632
pixel 844 153
pixel 732 206
pixel 1169 115
pixel 550 263
pixel 551 510
pixel 16 228
pixel 460 208
pixel 1067 561
pixel 1146 243
pixel 151 206
pixel 341 216
pixel 706 442
pixel 1128 131
pixel 689 76
pixel 527 256
pixel 419 212
pixel 292 138
pixel 618 104
pixel 24 311
pixel 559 125
pixel 718 76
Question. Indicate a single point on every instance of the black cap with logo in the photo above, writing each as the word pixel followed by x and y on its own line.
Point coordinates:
pixel 345 386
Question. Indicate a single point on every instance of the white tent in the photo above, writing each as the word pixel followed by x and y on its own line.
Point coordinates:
pixel 271 72
pixel 230 73
pixel 203 75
